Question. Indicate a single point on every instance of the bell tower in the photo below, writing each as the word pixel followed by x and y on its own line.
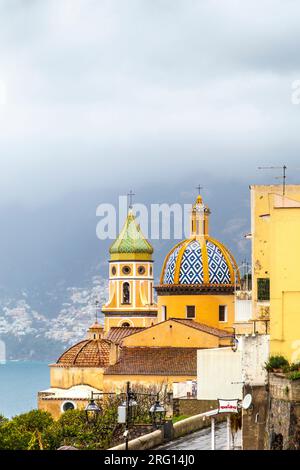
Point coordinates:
pixel 131 279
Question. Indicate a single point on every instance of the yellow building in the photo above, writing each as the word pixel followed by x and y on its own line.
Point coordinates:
pixel 199 276
pixel 131 280
pixel 196 309
pixel 275 232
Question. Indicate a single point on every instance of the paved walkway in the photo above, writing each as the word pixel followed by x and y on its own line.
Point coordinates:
pixel 200 440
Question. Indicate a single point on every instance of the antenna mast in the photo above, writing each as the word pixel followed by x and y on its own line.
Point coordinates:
pixel 283 177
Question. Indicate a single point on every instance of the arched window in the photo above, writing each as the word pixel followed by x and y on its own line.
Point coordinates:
pixel 126 293
pixel 126 324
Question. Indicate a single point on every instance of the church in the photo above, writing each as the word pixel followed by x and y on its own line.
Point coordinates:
pixel 143 341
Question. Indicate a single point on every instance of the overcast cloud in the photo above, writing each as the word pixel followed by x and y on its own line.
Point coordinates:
pixel 94 92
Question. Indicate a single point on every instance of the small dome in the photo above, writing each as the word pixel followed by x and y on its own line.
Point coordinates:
pixel 87 353
pixel 194 261
pixel 131 239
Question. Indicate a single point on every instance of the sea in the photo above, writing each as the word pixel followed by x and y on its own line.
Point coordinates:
pixel 19 384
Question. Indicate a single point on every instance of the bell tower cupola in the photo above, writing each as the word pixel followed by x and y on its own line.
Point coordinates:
pixel 131 279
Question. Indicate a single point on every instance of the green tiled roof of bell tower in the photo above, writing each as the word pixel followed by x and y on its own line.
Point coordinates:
pixel 131 239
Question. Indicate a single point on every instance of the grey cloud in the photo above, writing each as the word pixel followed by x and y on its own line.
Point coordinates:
pixel 99 91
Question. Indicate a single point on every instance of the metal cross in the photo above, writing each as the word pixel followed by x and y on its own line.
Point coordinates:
pixel 96 310
pixel 130 195
pixel 199 187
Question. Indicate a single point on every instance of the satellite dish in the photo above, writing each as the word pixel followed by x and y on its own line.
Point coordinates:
pixel 247 401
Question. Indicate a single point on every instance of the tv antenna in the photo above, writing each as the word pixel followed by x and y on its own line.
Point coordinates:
pixel 283 168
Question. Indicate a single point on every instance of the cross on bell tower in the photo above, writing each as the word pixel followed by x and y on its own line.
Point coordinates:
pixel 130 196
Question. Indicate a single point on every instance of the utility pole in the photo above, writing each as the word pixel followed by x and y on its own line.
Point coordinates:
pixel 127 415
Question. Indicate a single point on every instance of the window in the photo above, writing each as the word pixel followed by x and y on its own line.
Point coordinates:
pixel 223 313
pixel 125 324
pixel 164 312
pixel 126 293
pixel 126 270
pixel 68 405
pixel 263 289
pixel 114 270
pixel 141 270
pixel 190 311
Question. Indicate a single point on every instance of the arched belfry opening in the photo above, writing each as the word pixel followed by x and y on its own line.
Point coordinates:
pixel 126 293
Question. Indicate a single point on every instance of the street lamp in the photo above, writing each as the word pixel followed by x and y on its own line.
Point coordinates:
pixel 157 413
pixel 92 411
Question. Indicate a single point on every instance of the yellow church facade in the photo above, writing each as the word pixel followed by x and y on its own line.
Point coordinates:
pixel 275 233
pixel 199 276
pixel 145 342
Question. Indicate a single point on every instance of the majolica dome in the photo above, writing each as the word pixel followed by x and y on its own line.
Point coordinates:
pixel 200 260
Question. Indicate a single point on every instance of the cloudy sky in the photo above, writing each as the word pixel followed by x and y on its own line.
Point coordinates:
pixel 94 92
pixel 100 96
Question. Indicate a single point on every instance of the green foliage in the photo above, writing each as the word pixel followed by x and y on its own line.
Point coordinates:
pixel 37 430
pixel 294 375
pixel 294 366
pixel 26 431
pixel 276 362
pixel 179 418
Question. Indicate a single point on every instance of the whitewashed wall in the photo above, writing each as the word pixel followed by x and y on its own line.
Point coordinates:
pixel 221 372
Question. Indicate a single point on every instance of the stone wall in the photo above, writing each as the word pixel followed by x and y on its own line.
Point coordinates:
pixel 283 423
pixel 254 419
pixel 148 441
pixel 192 406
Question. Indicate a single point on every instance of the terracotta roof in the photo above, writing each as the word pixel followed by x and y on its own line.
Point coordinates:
pixel 117 333
pixel 205 328
pixel 87 353
pixel 155 361
pixel 96 325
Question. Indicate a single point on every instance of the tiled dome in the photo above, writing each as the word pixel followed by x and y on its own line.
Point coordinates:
pixel 194 261
pixel 87 353
pixel 131 239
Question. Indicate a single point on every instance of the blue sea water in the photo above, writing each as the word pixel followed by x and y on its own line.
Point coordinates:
pixel 19 384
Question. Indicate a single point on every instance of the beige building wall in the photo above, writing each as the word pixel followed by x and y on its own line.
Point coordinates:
pixel 173 334
pixel 66 377
pixel 117 383
pixel 54 406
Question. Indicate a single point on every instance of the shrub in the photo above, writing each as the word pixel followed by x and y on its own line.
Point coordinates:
pixel 276 362
pixel 294 375
pixel 295 366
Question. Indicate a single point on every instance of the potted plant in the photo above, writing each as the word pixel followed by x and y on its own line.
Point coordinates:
pixel 276 364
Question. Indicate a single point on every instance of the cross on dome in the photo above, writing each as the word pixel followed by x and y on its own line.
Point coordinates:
pixel 199 187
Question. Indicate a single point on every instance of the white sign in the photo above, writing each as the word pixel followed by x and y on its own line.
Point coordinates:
pixel 121 414
pixel 228 406
pixel 219 374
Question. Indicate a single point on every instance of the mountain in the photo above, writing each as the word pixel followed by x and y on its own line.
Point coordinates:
pixel 30 334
